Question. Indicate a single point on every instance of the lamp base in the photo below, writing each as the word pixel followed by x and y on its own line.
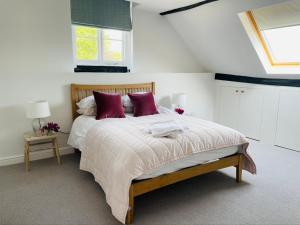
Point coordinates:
pixel 37 126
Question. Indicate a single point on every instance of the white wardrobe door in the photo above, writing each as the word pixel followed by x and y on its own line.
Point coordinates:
pixel 288 125
pixel 250 112
pixel 269 115
pixel 229 106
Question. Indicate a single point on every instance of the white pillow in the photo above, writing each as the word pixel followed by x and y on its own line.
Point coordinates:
pixel 87 102
pixel 162 109
pixel 126 101
pixel 92 111
pixel 87 106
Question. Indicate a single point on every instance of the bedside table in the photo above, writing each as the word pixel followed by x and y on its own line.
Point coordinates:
pixel 32 140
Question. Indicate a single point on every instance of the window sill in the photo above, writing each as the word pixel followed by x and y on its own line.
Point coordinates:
pixel 101 69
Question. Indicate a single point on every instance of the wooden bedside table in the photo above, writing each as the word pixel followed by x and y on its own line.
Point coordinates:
pixel 32 140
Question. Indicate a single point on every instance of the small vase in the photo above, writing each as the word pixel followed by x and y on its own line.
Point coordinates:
pixel 37 125
pixel 50 132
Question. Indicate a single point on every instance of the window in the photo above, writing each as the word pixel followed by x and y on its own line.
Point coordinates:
pixel 86 45
pixel 113 47
pixel 283 44
pixel 101 47
pixel 275 33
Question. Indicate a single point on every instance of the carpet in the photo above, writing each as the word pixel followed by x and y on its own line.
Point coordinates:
pixel 53 194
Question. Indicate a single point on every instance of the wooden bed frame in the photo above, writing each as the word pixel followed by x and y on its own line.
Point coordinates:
pixel 137 188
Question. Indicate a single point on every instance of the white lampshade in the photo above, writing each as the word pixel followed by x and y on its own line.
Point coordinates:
pixel 37 110
pixel 180 100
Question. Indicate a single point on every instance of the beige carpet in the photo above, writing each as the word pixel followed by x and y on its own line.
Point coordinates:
pixel 52 194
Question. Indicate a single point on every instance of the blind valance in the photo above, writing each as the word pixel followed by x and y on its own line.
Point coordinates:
pixel 111 14
pixel 279 15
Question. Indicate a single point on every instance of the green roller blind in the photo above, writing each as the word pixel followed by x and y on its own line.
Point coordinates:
pixel 111 14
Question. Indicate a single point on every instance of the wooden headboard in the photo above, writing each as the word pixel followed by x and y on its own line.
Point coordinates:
pixel 80 91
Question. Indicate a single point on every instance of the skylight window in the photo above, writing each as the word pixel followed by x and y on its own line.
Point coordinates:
pixel 275 34
pixel 284 44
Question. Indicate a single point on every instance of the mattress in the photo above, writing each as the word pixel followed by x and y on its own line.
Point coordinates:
pixel 83 123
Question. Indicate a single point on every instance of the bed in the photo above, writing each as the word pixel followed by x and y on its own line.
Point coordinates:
pixel 159 173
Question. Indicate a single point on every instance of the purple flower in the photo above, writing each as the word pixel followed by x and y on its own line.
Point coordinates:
pixel 52 127
pixel 179 111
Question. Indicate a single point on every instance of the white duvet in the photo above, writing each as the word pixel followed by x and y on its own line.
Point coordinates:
pixel 116 151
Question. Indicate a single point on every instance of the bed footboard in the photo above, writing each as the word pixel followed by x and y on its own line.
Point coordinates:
pixel 145 186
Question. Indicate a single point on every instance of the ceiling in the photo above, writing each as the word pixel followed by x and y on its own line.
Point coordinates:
pixel 214 33
pixel 159 6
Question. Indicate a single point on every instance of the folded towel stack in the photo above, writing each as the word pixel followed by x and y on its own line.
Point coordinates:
pixel 168 129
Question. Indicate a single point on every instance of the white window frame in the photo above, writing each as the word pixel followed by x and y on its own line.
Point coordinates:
pixel 126 51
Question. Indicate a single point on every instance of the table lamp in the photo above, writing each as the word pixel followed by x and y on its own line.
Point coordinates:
pixel 38 111
pixel 179 100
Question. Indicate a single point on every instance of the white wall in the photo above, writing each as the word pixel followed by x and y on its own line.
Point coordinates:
pixel 216 36
pixel 158 48
pixel 36 63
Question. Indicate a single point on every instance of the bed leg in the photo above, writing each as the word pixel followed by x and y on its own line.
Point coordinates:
pixel 239 169
pixel 129 217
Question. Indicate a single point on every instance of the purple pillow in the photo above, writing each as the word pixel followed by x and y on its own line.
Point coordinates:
pixel 143 104
pixel 108 106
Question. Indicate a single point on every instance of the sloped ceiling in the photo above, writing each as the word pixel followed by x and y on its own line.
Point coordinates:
pixel 216 37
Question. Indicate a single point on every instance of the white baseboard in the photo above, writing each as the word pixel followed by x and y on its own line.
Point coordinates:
pixel 6 161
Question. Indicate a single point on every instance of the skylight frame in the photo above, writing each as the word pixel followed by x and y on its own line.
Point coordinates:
pixel 264 45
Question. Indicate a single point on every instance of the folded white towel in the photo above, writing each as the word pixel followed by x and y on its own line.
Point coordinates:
pixel 167 129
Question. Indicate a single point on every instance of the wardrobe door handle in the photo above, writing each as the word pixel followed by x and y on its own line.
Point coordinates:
pixel 243 92
pixel 237 91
